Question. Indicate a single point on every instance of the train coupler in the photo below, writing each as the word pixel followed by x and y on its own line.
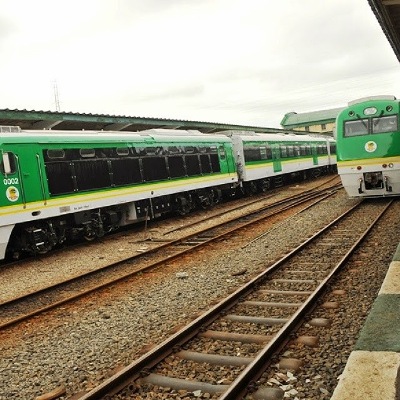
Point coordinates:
pixel 360 187
pixel 387 185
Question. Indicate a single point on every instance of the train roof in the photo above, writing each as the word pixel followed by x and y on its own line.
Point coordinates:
pixel 151 135
pixel 254 136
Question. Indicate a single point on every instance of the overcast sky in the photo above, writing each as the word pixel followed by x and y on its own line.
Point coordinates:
pixel 245 62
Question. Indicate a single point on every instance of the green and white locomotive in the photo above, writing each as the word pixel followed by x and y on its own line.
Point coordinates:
pixel 62 185
pixel 368 147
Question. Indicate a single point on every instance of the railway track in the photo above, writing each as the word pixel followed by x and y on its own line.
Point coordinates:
pixel 225 351
pixel 24 307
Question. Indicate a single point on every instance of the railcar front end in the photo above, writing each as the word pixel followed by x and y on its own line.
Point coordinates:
pixel 368 147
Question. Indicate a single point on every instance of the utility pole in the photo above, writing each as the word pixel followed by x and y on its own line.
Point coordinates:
pixel 56 98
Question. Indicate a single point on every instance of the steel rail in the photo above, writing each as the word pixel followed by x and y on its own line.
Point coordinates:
pixel 286 204
pixel 240 386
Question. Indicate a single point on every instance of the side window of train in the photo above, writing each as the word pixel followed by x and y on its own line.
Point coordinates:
pixel 87 153
pixel 266 153
pixel 8 163
pixel 283 151
pixel 122 151
pixel 55 154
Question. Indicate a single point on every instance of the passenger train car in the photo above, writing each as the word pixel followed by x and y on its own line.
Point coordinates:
pixel 62 185
pixel 368 147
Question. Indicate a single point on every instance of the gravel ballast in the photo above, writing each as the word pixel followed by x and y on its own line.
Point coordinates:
pixel 91 339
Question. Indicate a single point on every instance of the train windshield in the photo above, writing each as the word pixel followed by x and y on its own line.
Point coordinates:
pixel 384 124
pixel 356 128
pixel 362 127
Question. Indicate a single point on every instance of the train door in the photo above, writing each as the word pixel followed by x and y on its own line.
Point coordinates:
pixel 225 155
pixel 28 173
pixel 276 157
pixel 12 191
pixel 315 154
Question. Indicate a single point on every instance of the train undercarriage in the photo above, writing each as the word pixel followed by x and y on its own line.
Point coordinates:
pixel 39 237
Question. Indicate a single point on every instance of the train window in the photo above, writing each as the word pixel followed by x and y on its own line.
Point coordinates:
pixel 8 163
pixel 154 169
pixel 151 151
pixel 356 128
pixel 176 166
pixel 203 149
pixel 283 150
pixel 303 150
pixel 266 153
pixel 205 164
pixel 59 177
pixel 126 171
pixel 192 165
pixel 87 153
pixel 252 154
pixel 92 174
pixel 55 154
pixel 215 163
pixel 190 149
pixel 385 124
pixel 296 150
pixel 173 150
pixel 122 151
pixel 290 151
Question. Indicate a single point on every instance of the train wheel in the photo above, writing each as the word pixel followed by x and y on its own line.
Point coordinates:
pixel 185 205
pixel 264 185
pixel 251 188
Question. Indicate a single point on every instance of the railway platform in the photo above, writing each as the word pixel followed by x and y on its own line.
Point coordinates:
pixel 372 371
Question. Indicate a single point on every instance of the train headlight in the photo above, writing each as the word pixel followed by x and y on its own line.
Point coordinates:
pixel 359 167
pixel 384 165
pixel 370 111
pixel 389 108
pixel 391 165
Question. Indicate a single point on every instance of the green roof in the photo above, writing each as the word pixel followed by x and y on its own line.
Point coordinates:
pixel 294 119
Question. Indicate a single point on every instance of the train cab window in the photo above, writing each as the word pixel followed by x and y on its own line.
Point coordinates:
pixel 122 151
pixel 8 163
pixel 356 128
pixel 53 154
pixel 87 153
pixel 385 124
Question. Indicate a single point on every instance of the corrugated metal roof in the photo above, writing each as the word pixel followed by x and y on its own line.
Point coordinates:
pixel 33 119
pixel 294 119
pixel 387 12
